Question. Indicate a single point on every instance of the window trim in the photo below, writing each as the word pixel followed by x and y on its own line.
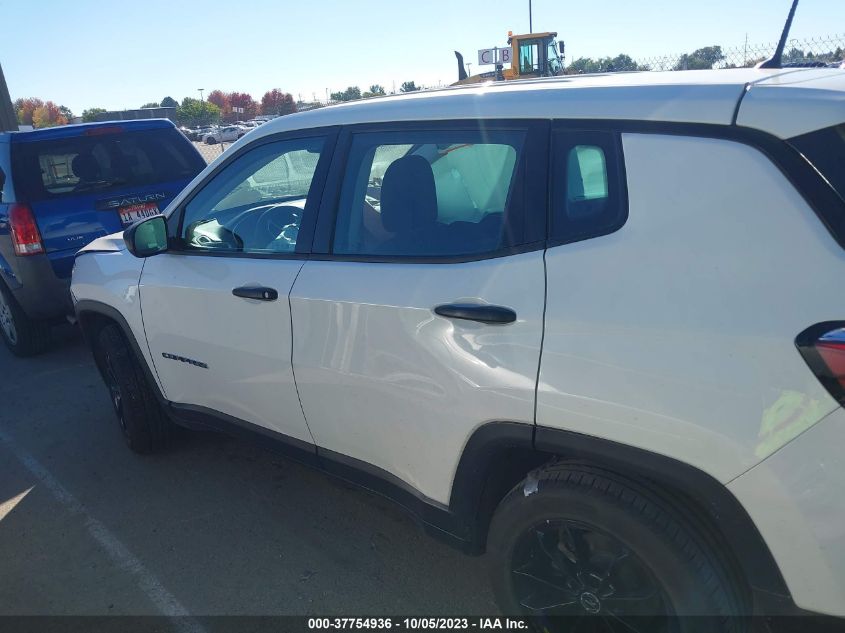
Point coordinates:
pixel 564 137
pixel 534 179
pixel 309 216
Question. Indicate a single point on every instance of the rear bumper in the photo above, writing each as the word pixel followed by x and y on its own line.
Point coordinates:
pixel 37 289
pixel 796 499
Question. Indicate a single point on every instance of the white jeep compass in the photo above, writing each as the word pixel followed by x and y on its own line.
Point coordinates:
pixel 594 327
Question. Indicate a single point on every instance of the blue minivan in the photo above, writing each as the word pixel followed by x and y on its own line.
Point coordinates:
pixel 63 187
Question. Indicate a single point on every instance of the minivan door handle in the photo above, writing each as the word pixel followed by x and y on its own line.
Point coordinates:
pixel 256 292
pixel 476 312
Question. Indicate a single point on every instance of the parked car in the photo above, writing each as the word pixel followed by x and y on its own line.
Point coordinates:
pixel 224 134
pixel 592 326
pixel 64 187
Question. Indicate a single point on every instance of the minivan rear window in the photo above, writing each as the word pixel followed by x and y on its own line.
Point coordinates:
pixel 825 149
pixel 102 163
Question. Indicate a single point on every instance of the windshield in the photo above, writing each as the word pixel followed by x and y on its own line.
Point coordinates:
pixel 71 166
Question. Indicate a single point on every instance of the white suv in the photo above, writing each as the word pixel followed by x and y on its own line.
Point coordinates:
pixel 592 326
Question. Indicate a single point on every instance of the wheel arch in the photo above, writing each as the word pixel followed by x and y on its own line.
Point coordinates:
pixel 499 455
pixel 93 315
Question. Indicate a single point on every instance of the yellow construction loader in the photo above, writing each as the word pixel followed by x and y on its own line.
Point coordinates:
pixel 530 56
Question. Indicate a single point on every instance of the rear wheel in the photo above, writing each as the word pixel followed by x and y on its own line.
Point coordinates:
pixel 22 335
pixel 142 421
pixel 575 542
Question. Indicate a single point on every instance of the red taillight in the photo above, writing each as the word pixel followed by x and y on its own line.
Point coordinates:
pixel 25 236
pixel 823 348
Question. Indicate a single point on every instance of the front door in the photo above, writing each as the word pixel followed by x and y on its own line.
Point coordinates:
pixel 423 318
pixel 215 307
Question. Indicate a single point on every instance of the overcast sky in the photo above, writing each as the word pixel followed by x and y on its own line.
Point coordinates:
pixel 95 53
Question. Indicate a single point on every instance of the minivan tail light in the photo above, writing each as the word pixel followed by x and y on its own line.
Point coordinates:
pixel 25 236
pixel 823 349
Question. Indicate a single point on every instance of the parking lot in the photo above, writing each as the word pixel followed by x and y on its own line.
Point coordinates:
pixel 210 526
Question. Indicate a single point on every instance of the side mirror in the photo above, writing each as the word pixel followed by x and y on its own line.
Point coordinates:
pixel 147 237
pixel 562 48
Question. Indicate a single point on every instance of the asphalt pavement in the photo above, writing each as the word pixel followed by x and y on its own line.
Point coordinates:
pixel 211 526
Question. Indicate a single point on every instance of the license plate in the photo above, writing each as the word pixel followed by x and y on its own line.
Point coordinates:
pixel 133 213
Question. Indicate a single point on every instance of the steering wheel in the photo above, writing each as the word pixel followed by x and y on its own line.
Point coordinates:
pixel 282 221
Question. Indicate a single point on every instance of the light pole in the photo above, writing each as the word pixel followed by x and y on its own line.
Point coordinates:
pixel 468 64
pixel 530 21
pixel 202 106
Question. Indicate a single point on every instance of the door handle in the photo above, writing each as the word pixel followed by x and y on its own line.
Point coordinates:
pixel 476 312
pixel 256 292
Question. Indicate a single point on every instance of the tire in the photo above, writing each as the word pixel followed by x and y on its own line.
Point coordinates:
pixel 211 141
pixel 577 541
pixel 144 424
pixel 22 335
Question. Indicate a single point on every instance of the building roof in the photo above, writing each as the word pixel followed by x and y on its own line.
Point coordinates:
pixel 696 96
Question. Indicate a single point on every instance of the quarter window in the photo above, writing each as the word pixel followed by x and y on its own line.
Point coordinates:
pixel 588 191
pixel 256 203
pixel 428 194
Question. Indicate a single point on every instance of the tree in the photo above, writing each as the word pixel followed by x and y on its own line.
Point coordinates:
pixel 66 112
pixel 194 112
pixel 408 86
pixel 350 94
pixel 169 102
pixel 48 115
pixel 276 102
pixel 375 90
pixel 619 63
pixel 152 104
pixel 24 108
pixel 246 105
pixel 91 114
pixel 700 59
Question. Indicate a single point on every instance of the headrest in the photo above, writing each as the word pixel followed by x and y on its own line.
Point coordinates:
pixel 408 195
pixel 85 167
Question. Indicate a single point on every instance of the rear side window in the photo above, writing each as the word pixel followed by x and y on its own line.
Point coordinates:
pixel 103 163
pixel 825 149
pixel 430 193
pixel 587 185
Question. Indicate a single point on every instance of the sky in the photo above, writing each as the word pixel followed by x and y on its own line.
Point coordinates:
pixel 120 55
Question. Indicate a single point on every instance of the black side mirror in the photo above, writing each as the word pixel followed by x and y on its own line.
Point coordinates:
pixel 147 237
pixel 562 48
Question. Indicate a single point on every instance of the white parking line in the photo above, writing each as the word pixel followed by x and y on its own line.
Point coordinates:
pixel 163 600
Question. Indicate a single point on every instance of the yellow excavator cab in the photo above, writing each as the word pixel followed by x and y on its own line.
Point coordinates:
pixel 532 55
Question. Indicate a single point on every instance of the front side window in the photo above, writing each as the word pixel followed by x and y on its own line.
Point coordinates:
pixel 588 192
pixel 427 194
pixel 256 203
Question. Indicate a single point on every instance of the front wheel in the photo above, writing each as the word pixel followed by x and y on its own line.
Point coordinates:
pixel 142 421
pixel 573 542
pixel 22 335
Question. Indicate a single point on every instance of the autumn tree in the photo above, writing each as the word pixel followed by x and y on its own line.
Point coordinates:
pixel 48 115
pixel 25 109
pixel 276 102
pixel 246 106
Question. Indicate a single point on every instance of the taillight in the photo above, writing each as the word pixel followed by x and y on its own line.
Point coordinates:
pixel 823 348
pixel 25 236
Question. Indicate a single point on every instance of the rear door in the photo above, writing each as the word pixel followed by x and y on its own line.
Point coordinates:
pixel 420 316
pixel 97 183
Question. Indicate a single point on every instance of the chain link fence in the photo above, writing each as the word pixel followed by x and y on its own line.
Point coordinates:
pixel 818 51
